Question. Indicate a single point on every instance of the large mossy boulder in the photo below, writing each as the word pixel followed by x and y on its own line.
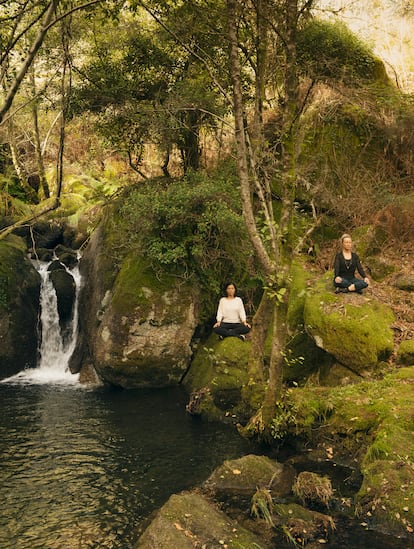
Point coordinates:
pixel 218 374
pixel 355 329
pixel 19 308
pixel 136 326
pixel 190 520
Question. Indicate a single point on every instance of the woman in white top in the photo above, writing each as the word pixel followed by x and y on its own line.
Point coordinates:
pixel 231 316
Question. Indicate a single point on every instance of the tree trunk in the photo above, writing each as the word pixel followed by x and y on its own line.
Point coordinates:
pixel 190 151
pixel 242 147
pixel 277 358
pixel 38 148
pixel 29 59
pixel 261 322
pixel 18 167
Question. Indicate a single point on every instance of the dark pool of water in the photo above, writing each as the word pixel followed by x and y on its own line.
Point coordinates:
pixel 85 468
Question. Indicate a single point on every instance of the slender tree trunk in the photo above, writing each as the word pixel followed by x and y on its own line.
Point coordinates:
pixel 37 144
pixel 261 322
pixel 277 357
pixel 29 59
pixel 241 141
pixel 191 138
pixel 261 64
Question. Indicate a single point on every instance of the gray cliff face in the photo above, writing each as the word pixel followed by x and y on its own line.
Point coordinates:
pixel 135 330
pixel 19 306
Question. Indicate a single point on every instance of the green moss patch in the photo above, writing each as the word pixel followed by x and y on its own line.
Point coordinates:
pixel 14 268
pixel 221 368
pixel 136 284
pixel 405 353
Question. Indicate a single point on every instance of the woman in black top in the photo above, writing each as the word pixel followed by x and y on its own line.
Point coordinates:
pixel 346 263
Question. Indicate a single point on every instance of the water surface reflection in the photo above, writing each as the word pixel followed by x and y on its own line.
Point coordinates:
pixel 84 468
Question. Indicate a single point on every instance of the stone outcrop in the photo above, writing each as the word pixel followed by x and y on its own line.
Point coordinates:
pixel 190 520
pixel 404 282
pixel 136 328
pixel 405 352
pixel 217 377
pixel 354 329
pixel 19 306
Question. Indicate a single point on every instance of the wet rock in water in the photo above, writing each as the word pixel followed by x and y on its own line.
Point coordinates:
pixel 243 476
pixel 216 378
pixel 42 254
pixel 66 256
pixel 56 265
pixel 19 307
pixel 136 325
pixel 190 520
pixel 65 288
pixel 300 525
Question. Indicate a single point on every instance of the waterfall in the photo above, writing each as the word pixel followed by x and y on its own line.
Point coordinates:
pixel 54 349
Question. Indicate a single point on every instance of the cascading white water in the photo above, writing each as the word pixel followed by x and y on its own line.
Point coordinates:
pixel 54 354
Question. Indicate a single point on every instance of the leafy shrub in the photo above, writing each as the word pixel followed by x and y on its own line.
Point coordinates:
pixel 192 227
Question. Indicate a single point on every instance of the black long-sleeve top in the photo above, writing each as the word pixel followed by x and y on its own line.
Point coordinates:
pixel 345 268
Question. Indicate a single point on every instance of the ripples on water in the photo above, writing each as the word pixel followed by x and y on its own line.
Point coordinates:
pixel 84 468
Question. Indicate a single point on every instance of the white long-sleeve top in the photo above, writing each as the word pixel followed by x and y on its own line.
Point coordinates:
pixel 231 310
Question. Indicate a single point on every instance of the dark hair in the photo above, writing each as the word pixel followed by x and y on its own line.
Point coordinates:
pixel 226 285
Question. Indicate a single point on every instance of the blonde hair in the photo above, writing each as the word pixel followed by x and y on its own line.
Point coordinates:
pixel 341 241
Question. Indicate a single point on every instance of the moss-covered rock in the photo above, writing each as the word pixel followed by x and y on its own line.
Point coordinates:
pixel 144 336
pixel 190 520
pixel 352 328
pixel 302 526
pixel 303 357
pixel 221 368
pixel 335 374
pixel 19 308
pixel 243 476
pixel 405 352
pixel 135 326
pixel 378 267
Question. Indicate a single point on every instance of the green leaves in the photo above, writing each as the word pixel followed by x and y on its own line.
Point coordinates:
pixel 192 226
